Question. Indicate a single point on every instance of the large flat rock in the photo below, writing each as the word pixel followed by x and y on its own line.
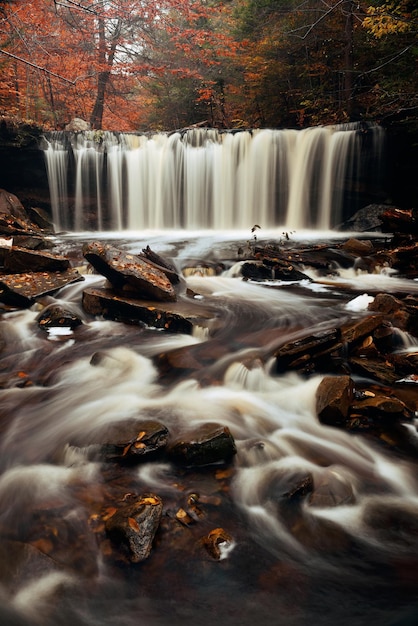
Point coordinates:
pixel 129 272
pixel 18 260
pixel 21 290
pixel 179 316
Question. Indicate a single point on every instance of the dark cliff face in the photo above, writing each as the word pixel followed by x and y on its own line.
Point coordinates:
pixel 22 164
pixel 402 159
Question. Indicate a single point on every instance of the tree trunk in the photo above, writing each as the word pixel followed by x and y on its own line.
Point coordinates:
pixel 96 118
pixel 105 61
pixel 348 57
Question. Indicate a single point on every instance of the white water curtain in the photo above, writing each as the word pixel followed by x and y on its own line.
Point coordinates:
pixel 205 178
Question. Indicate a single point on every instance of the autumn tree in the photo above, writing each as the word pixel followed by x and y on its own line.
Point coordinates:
pixel 197 57
pixel 390 82
pixel 96 58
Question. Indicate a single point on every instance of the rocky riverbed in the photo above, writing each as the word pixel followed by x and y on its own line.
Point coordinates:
pixel 152 498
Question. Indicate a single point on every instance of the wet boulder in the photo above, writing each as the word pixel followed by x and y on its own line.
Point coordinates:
pixel 129 272
pixel 358 247
pixel 334 397
pixel 207 444
pixel 354 332
pixel 308 353
pixel 170 316
pixel 132 441
pixel 21 290
pixel 13 217
pixel 402 313
pixel 256 271
pixel 133 525
pixel 379 369
pixel 366 219
pixel 400 220
pixel 57 316
pixel 162 264
pixel 18 260
pixel 41 218
pixel 379 406
pixel 218 543
pixel 272 269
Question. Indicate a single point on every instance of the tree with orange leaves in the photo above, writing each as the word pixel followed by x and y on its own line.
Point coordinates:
pixel 93 58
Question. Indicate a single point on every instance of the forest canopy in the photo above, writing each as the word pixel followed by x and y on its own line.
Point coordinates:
pixel 146 65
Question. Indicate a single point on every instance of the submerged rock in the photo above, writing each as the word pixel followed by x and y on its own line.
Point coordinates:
pixel 331 490
pixel 208 444
pixel 131 441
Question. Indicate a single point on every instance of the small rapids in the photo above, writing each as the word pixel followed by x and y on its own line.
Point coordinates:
pixel 354 563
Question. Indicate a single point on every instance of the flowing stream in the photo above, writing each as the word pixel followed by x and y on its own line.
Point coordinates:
pixel 354 563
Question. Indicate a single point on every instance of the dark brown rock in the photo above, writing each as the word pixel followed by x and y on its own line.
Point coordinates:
pixel 133 525
pixel 32 242
pixel 129 272
pixel 357 247
pixel 402 313
pixel 162 264
pixel 272 269
pixel 19 260
pixel 13 217
pixel 380 406
pixel 173 317
pixel 131 441
pixel 355 331
pixel 218 542
pixel 396 220
pixel 208 444
pixel 256 271
pixel 298 354
pixel 56 316
pixel 333 399
pixel 41 218
pixel 376 369
pixel 21 290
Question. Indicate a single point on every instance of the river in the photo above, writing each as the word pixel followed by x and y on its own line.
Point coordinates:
pixel 354 563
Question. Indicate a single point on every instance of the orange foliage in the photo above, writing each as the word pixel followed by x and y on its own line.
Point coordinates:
pixel 94 60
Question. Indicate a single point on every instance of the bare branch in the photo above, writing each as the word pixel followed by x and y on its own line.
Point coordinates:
pixel 37 67
pixel 309 27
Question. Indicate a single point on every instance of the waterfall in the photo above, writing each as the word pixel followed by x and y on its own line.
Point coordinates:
pixel 210 179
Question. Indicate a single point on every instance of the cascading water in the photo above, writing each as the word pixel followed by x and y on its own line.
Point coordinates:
pixel 352 561
pixel 348 555
pixel 207 179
